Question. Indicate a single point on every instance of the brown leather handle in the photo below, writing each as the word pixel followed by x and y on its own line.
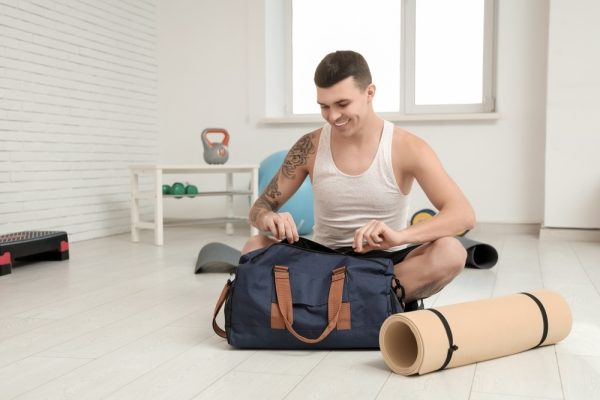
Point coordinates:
pixel 218 306
pixel 334 302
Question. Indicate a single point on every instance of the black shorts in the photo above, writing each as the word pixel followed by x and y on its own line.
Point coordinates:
pixel 396 256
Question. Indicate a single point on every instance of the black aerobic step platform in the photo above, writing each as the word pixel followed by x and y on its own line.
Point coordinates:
pixel 32 245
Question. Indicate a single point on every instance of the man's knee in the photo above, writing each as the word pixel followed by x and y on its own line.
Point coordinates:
pixel 449 257
pixel 437 264
pixel 257 242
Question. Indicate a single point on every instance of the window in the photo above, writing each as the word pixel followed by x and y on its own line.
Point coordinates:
pixel 322 26
pixel 426 56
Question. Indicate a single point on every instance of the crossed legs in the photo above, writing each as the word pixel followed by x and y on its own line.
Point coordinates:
pixel 431 266
pixel 424 271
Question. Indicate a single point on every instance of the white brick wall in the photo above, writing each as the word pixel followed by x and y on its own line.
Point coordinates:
pixel 78 104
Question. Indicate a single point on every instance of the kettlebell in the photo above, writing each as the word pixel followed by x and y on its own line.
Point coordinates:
pixel 215 153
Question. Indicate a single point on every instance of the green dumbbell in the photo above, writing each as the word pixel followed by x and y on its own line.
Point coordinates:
pixel 178 189
pixel 191 190
pixel 166 189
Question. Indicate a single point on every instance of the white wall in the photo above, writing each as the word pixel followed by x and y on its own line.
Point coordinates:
pixel 78 105
pixel 573 126
pixel 211 75
pixel 211 56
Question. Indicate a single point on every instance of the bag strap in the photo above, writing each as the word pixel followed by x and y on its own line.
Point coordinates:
pixel 220 301
pixel 284 301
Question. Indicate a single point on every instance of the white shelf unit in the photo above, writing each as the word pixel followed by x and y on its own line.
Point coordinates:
pixel 158 170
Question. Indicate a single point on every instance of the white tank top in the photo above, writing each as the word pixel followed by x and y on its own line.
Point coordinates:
pixel 344 203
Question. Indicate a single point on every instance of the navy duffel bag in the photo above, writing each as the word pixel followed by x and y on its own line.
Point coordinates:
pixel 288 297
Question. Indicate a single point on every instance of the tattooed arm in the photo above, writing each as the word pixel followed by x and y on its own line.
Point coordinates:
pixel 283 185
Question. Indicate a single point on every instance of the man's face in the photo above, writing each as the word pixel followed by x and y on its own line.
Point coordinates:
pixel 344 105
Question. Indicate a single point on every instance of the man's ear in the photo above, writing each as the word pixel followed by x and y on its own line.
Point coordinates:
pixel 371 91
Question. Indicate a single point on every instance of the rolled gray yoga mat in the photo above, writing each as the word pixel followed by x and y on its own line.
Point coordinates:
pixel 479 255
pixel 219 257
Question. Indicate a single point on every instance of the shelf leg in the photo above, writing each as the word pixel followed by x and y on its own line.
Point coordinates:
pixel 229 205
pixel 158 208
pixel 135 207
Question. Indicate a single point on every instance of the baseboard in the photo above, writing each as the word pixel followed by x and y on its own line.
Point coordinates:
pixel 503 228
pixel 579 235
pixel 544 233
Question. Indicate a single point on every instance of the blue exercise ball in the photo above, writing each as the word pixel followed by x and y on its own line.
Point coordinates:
pixel 300 205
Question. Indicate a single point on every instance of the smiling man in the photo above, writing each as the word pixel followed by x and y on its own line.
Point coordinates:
pixel 362 170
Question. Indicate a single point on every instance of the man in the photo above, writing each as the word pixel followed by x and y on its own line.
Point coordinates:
pixel 362 169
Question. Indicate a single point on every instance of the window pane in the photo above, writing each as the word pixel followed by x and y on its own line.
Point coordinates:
pixel 449 51
pixel 322 26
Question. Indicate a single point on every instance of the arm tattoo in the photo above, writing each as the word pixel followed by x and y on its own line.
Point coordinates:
pixel 298 155
pixel 260 206
pixel 267 200
pixel 272 190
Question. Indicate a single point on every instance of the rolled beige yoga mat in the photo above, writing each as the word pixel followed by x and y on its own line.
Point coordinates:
pixel 428 340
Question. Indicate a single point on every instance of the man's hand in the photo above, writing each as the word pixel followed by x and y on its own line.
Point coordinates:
pixel 375 235
pixel 281 226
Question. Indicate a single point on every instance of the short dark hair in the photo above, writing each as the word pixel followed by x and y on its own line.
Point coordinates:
pixel 341 64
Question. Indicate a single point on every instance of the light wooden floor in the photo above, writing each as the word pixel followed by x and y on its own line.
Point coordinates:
pixel 131 321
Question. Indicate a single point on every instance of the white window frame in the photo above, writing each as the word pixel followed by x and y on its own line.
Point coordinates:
pixel 278 71
pixel 407 100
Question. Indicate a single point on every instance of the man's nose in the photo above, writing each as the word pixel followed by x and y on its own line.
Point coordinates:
pixel 334 115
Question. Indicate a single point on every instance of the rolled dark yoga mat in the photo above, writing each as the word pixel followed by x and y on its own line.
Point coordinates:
pixel 423 341
pixel 479 255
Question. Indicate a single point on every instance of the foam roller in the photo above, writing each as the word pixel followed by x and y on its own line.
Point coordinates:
pixel 428 340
